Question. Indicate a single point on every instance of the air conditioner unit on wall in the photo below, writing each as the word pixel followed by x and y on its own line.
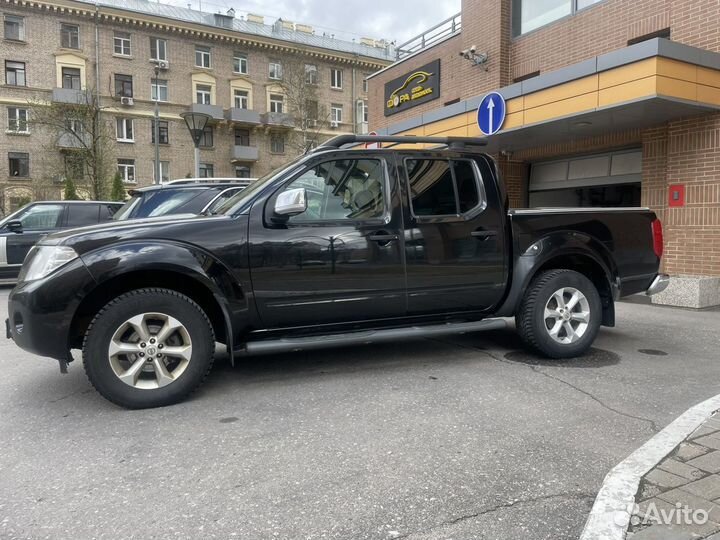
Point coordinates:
pixel 162 64
pixel 128 101
pixel 334 124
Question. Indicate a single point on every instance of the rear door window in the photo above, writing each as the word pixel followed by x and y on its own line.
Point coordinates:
pixel 442 187
pixel 42 217
pixel 81 215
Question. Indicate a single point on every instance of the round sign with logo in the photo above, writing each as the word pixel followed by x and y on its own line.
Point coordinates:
pixel 491 113
pixel 372 145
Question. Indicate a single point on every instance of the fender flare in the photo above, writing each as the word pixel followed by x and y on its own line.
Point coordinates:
pixel 554 246
pixel 112 262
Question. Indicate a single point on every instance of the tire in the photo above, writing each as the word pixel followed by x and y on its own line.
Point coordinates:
pixel 551 336
pixel 164 336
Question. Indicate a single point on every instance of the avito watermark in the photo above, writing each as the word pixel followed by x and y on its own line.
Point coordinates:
pixel 680 514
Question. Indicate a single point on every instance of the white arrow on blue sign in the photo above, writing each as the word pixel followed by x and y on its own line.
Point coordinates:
pixel 491 113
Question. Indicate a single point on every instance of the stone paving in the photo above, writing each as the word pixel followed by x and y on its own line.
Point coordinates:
pixel 680 498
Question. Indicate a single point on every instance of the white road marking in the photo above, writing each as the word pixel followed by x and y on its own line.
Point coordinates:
pixel 610 516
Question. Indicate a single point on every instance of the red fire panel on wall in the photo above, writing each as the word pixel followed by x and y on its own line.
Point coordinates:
pixel 676 195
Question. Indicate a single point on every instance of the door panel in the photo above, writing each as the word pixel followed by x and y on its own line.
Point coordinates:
pixel 339 261
pixel 454 237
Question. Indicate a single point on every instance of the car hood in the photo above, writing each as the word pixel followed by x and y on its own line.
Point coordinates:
pixel 116 230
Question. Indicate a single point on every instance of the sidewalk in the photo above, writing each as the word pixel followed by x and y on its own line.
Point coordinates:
pixel 679 499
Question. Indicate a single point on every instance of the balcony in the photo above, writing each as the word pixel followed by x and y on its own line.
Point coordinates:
pixel 69 141
pixel 215 111
pixel 281 120
pixel 245 153
pixel 243 116
pixel 68 95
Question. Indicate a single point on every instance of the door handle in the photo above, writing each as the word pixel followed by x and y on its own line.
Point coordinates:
pixel 383 238
pixel 484 235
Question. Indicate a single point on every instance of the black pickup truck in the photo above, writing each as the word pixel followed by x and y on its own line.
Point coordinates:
pixel 342 246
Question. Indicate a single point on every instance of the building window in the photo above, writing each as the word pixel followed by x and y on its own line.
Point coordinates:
pixel 362 115
pixel 242 99
pixel 240 63
pixel 158 49
pixel 75 126
pixel 163 132
pixel 242 137
pixel 126 168
pixel 71 78
pixel 164 171
pixel 125 130
pixel 336 113
pixel 14 27
pixel 14 73
pixel 203 93
pixel 336 79
pixel 159 90
pixel 311 74
pixel 276 103
pixel 121 43
pixel 206 140
pixel 202 56
pixel 207 170
pixel 69 36
pixel 19 163
pixel 242 171
pixel 275 70
pixel 366 86
pixel 123 85
pixel 17 120
pixel 531 14
pixel 312 109
pixel 277 143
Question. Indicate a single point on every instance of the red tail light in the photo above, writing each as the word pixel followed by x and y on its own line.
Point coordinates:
pixel 657 234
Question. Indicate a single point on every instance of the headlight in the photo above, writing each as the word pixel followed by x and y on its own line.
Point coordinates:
pixel 44 260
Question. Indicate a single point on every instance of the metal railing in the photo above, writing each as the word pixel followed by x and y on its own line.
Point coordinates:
pixel 430 37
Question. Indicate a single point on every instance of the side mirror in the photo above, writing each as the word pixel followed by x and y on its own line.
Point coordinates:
pixel 14 226
pixel 291 202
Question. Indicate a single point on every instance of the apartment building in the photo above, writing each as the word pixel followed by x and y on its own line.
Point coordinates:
pixel 130 54
pixel 608 103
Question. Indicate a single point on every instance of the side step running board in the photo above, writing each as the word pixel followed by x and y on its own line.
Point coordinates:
pixel 365 337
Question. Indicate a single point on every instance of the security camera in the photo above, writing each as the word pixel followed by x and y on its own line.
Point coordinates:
pixel 473 49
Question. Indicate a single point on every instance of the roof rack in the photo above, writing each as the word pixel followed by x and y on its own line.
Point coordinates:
pixel 183 181
pixel 451 142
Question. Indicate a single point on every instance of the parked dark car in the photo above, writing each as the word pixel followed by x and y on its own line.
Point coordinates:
pixel 21 230
pixel 180 197
pixel 340 247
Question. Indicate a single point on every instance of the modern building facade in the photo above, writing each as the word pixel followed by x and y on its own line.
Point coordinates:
pixel 608 103
pixel 132 53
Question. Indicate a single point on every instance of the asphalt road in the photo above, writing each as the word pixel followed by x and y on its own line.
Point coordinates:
pixel 464 437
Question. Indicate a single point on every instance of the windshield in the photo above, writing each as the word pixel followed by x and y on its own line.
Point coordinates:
pixel 236 203
pixel 164 202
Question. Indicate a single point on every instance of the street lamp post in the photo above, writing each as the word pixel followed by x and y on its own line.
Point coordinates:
pixel 196 123
pixel 156 129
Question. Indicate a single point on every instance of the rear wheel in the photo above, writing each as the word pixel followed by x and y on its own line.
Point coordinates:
pixel 148 348
pixel 560 315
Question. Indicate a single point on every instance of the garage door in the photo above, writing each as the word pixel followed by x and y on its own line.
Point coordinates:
pixel 610 180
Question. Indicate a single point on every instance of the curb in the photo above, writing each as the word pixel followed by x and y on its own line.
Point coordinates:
pixel 610 516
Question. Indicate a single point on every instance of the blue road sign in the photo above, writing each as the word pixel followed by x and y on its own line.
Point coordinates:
pixel 491 113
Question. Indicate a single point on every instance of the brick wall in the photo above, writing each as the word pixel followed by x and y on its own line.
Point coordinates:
pixel 42 43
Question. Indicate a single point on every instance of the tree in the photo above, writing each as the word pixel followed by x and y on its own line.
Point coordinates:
pixel 299 86
pixel 83 130
pixel 71 193
pixel 118 192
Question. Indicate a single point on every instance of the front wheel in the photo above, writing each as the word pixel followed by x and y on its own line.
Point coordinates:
pixel 148 348
pixel 560 315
